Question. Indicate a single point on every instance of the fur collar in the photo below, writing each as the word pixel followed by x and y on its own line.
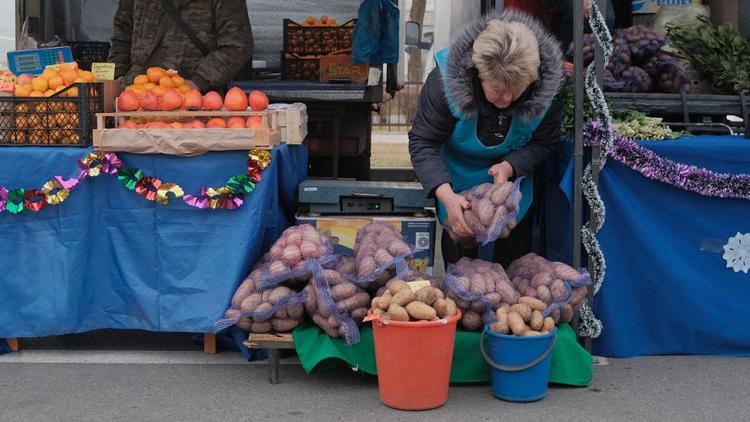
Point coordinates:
pixel 458 74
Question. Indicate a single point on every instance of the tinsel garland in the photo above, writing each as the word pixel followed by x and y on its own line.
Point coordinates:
pixel 590 326
pixel 683 176
pixel 56 191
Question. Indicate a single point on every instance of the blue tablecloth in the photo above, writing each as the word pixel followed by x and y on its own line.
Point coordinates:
pixel 107 258
pixel 667 289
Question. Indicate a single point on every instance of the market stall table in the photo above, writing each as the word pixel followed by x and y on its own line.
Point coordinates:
pixel 108 258
pixel 667 288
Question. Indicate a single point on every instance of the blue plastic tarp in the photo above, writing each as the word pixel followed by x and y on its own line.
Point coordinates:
pixel 667 288
pixel 107 258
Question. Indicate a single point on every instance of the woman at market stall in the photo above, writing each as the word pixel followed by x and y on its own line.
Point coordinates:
pixel 488 112
pixel 208 42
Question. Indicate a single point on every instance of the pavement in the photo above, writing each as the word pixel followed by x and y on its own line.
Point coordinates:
pixel 117 385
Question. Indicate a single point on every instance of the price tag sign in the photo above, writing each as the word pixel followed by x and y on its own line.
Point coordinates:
pixel 103 71
pixel 418 284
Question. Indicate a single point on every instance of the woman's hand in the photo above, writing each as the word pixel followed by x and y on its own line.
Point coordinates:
pixel 454 206
pixel 501 172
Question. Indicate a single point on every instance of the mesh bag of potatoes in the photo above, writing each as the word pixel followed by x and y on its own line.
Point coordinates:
pixel 398 302
pixel 381 253
pixel 278 308
pixel 269 299
pixel 559 286
pixel 334 302
pixel 493 212
pixel 479 288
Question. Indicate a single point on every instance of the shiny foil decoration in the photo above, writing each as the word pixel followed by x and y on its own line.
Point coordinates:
pixel 111 163
pixel 241 184
pixel 92 164
pixel 129 177
pixel 34 200
pixel 14 204
pixel 3 198
pixel 168 188
pixel 55 192
pixel 147 187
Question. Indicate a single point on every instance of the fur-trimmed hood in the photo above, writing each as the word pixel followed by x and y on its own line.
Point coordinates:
pixel 458 74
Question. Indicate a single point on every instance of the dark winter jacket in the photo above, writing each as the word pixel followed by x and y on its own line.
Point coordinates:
pixel 145 36
pixel 434 121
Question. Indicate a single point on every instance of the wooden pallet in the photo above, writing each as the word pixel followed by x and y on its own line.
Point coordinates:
pixel 172 140
pixel 274 343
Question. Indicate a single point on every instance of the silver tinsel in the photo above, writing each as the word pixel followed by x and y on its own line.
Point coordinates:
pixel 590 326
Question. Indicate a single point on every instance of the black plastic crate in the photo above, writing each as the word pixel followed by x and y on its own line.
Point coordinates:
pixel 87 52
pixel 317 40
pixel 51 121
pixel 296 68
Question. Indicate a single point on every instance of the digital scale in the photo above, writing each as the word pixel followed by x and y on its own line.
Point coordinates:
pixel 322 196
pixel 35 61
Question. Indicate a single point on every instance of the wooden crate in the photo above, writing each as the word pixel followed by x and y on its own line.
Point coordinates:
pixel 185 142
pixel 292 122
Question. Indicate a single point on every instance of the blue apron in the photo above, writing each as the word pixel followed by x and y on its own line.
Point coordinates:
pixel 468 160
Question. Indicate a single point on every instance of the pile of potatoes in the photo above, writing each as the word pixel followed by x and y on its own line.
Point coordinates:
pixel 274 309
pixel 525 318
pixel 494 207
pixel 400 303
pixel 378 248
pixel 537 277
pixel 349 300
pixel 479 288
pixel 297 245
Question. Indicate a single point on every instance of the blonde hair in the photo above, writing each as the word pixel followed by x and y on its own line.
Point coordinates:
pixel 507 52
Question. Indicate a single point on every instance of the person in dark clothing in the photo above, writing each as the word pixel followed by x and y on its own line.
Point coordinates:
pixel 488 112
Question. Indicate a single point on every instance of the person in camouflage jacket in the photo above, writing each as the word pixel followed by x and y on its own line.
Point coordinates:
pixel 146 36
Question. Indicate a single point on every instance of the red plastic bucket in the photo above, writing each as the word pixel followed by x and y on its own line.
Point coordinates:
pixel 414 361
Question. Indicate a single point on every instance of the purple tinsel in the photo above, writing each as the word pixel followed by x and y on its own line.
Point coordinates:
pixel 691 178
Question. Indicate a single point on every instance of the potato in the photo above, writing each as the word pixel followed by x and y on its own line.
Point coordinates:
pixel 296 312
pixel 516 323
pixel 541 279
pixel 284 325
pixel 566 313
pixel 543 293
pixel 537 320
pixel 531 333
pixel 564 271
pixel 397 312
pixel 441 307
pixel 507 293
pixel 385 301
pixel 261 310
pixel 534 304
pixel 486 212
pixel 308 250
pixel 291 255
pixel 558 290
pixel 279 293
pixel 549 325
pixel 421 311
pixel 451 308
pixel 378 312
pixel 244 323
pixel 366 267
pixel 382 257
pixel 579 293
pixel 323 323
pixel 396 286
pixel 477 286
pixel 523 310
pixel 343 291
pixel 471 321
pixel 250 303
pixel 399 249
pixel 403 296
pixel 281 314
pixel 501 328
pixel 501 192
pixel 427 295
pixel 277 268
pixel 521 284
pixel 555 316
pixel 261 327
pixel 359 314
pixel 493 299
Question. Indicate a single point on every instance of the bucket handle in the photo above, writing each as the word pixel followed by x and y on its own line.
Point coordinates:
pixel 518 368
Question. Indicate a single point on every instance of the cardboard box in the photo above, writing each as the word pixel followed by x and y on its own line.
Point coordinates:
pixel 292 121
pixel 652 6
pixel 418 232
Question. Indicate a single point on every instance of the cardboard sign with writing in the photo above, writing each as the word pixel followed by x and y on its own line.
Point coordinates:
pixel 341 66
pixel 103 71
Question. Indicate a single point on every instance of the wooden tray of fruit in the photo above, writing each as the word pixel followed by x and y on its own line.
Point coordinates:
pixel 183 122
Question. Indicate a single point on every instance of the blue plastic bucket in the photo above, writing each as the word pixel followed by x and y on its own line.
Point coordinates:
pixel 520 365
